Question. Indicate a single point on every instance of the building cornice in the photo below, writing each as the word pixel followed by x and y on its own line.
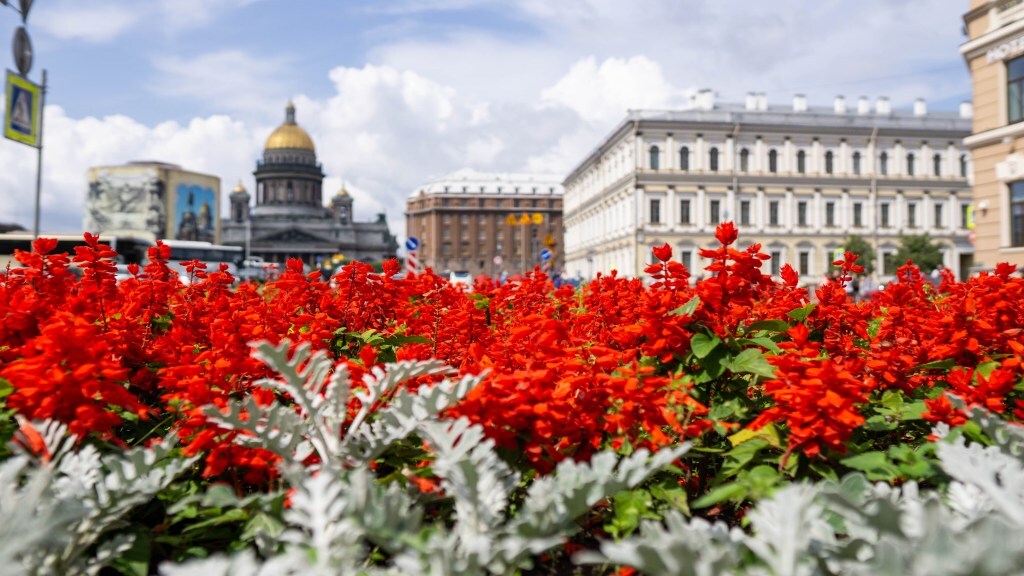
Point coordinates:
pixel 977 46
pixel 994 136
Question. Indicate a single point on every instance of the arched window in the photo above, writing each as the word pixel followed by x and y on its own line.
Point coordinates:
pixel 910 164
pixel 937 164
pixel 801 162
pixel 773 161
pixel 856 163
pixel 963 165
pixel 684 159
pixel 655 161
pixel 713 159
pixel 883 163
pixel 291 192
pixel 744 160
pixel 828 162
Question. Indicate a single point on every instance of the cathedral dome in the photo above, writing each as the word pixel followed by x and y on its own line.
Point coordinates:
pixel 289 135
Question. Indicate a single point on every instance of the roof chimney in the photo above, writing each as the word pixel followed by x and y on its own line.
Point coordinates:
pixel 762 101
pixel 882 106
pixel 799 103
pixel 863 106
pixel 839 105
pixel 966 109
pixel 751 101
pixel 920 108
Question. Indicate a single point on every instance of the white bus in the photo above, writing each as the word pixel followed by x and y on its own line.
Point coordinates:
pixel 131 248
pixel 213 255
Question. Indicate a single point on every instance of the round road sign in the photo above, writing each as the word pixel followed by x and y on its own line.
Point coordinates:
pixel 545 254
pixel 412 243
pixel 22 51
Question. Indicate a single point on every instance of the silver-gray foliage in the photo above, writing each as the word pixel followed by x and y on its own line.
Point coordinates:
pixel 973 527
pixel 340 510
pixel 59 513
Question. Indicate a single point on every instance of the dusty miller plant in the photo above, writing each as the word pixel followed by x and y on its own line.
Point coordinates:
pixel 975 526
pixel 61 506
pixel 340 511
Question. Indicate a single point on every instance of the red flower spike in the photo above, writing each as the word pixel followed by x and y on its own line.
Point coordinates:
pixel 663 253
pixel 726 233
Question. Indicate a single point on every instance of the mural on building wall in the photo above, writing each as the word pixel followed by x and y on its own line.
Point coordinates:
pixel 120 200
pixel 194 213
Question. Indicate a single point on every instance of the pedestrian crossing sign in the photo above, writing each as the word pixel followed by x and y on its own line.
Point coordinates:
pixel 21 110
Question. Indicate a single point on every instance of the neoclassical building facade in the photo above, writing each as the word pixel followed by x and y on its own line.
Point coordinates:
pixel 289 219
pixel 994 54
pixel 797 179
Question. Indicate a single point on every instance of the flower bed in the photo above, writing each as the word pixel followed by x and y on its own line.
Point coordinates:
pixel 760 384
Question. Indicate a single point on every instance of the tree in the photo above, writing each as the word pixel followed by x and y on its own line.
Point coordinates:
pixel 862 248
pixel 920 250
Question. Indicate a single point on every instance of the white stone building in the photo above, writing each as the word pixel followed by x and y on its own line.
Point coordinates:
pixel 800 180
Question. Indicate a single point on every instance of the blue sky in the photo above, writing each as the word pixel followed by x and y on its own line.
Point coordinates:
pixel 397 91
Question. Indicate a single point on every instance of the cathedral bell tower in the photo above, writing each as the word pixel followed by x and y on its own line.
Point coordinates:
pixel 288 178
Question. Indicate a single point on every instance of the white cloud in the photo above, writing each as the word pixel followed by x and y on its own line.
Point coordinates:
pixel 90 21
pixel 604 92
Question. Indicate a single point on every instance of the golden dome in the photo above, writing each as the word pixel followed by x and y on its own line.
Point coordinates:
pixel 342 192
pixel 289 134
pixel 239 187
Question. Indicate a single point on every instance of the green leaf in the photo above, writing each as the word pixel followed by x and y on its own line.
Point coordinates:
pixel 874 464
pixel 751 361
pixel 702 344
pixel 5 388
pixel 801 314
pixel 687 309
pixel 762 341
pixel 769 325
pixel 730 491
pixel 135 561
pixel 937 365
pixel 985 368
pixel 262 522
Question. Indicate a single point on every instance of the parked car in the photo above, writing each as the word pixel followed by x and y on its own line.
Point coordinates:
pixel 461 278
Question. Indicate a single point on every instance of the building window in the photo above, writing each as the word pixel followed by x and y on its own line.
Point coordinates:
pixel 655 158
pixel 684 211
pixel 655 211
pixel 745 212
pixel 829 159
pixel 858 214
pixel 856 163
pixel 773 213
pixel 446 234
pixel 684 159
pixel 773 161
pixel 830 214
pixel 776 258
pixel 805 263
pixel 464 219
pixel 965 215
pixel 1015 89
pixel 883 164
pixel 801 162
pixel 937 164
pixel 713 159
pixel 744 160
pixel 910 164
pixel 912 215
pixel 1017 214
pixel 801 213
pixel 716 209
pixel 884 215
pixel 963 165
pixel 686 259
pixel 938 215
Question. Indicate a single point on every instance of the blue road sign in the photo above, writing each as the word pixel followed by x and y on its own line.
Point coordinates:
pixel 545 254
pixel 412 243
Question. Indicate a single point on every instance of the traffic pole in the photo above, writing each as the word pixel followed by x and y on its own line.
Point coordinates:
pixel 39 157
pixel 411 262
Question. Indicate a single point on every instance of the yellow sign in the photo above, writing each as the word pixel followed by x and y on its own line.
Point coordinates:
pixel 838 254
pixel 970 217
pixel 524 219
pixel 511 220
pixel 537 218
pixel 549 241
pixel 21 110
